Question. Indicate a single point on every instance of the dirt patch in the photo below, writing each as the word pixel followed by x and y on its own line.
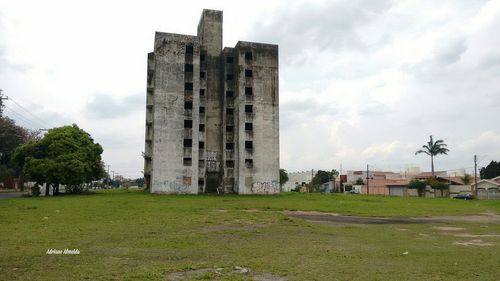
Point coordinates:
pixel 448 228
pixel 184 275
pixel 251 210
pixel 468 235
pixel 482 218
pixel 269 277
pixel 336 218
pixel 474 242
pixel 328 218
pixel 236 271
pixel 247 227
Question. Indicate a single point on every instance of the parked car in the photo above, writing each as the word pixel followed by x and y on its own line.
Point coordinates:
pixel 464 196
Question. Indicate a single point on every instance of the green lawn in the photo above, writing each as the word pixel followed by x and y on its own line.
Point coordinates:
pixel 126 235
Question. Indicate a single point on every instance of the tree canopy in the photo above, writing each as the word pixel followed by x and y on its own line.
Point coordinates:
pixel 418 185
pixel 283 177
pixel 433 148
pixel 490 171
pixel 65 155
pixel 11 136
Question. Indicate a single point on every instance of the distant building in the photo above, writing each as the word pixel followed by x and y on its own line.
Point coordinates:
pixel 301 179
pixel 488 188
pixel 212 119
pixel 353 176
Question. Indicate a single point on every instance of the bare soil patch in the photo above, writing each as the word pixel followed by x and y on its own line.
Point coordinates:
pixel 449 228
pixel 474 242
pixel 186 275
pixel 336 218
pixel 482 218
pixel 224 227
pixel 329 218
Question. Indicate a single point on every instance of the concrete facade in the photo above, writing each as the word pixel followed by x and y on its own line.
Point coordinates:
pixel 212 119
pixel 298 179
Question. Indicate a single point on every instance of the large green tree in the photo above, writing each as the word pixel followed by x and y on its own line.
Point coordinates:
pixel 65 155
pixel 418 185
pixel 320 178
pixel 11 136
pixel 490 171
pixel 433 148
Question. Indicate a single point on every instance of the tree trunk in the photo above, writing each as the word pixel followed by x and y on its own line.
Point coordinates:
pixel 21 181
pixel 55 190
pixel 47 189
pixel 432 166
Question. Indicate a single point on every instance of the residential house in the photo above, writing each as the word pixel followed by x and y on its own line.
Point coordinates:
pixel 488 188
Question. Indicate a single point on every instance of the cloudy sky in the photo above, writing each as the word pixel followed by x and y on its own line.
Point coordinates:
pixel 361 81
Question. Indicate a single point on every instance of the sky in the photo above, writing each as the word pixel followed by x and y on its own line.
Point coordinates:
pixel 361 81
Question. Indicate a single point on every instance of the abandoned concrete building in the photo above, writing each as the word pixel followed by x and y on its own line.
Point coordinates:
pixel 212 119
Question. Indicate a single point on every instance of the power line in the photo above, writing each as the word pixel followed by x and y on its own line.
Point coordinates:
pixel 36 117
pixel 22 118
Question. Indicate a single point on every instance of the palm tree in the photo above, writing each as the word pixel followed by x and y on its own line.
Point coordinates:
pixel 432 149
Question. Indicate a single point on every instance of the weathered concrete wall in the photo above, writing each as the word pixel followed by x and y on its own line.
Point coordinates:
pixel 297 178
pixel 170 173
pixel 263 176
pixel 219 161
pixel 210 36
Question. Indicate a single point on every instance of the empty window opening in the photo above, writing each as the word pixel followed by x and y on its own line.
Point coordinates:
pixel 248 55
pixel 188 86
pixel 201 163
pixel 248 108
pixel 188 67
pixel 229 94
pixel 188 105
pixel 201 182
pixel 201 128
pixel 229 59
pixel 203 56
pixel 201 145
pixel 202 109
pixel 248 126
pixel 229 77
pixel 230 163
pixel 189 49
pixel 188 143
pixel 248 73
pixel 187 161
pixel 229 129
pixel 248 144
pixel 229 111
pixel 203 74
pixel 249 163
pixel 202 92
pixel 229 145
pixel 188 123
pixel 248 91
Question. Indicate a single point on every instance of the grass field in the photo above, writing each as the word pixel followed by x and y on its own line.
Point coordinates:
pixel 131 235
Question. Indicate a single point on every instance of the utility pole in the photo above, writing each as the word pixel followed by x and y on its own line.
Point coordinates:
pixel 367 180
pixel 340 179
pixel 108 180
pixel 475 176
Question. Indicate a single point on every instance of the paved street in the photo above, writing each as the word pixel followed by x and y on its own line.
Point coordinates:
pixel 5 195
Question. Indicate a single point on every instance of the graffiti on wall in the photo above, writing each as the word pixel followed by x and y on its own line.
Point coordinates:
pixel 212 165
pixel 180 185
pixel 265 187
